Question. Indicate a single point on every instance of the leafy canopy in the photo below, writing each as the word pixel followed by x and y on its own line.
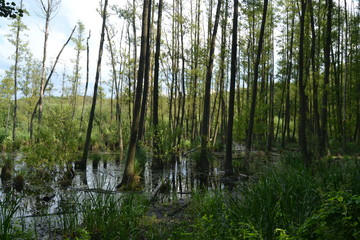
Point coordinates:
pixel 7 9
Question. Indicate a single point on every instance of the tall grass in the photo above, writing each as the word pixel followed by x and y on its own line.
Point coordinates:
pixel 9 204
pixel 285 196
pixel 108 216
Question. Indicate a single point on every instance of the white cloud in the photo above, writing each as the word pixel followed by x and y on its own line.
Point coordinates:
pixel 61 26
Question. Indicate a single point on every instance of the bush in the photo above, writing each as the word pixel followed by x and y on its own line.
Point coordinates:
pixel 338 218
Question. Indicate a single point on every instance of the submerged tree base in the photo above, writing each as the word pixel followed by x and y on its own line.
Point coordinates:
pixel 130 183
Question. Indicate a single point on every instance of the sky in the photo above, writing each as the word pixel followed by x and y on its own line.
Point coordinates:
pixel 67 16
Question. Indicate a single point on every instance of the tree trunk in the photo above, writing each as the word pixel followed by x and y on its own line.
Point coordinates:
pixel 229 132
pixel 128 180
pixel 157 162
pixel 146 81
pixel 327 49
pixel 16 69
pixel 203 163
pixel 87 79
pixel 302 94
pixel 256 73
pixel 82 165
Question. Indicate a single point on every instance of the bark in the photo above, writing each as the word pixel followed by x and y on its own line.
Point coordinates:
pixel 48 10
pixel 146 81
pixel 82 165
pixel 16 69
pixel 128 179
pixel 87 79
pixel 327 49
pixel 229 133
pixel 302 94
pixel 203 163
pixel 157 159
pixel 314 74
pixel 256 73
pixel 286 128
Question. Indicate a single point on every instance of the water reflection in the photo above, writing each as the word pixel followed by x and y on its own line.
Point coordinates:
pixel 47 194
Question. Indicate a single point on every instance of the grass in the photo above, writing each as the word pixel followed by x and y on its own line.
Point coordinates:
pixel 9 205
pixel 108 216
pixel 283 203
pixel 286 201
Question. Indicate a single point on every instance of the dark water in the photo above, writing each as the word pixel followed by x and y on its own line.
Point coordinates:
pixel 47 194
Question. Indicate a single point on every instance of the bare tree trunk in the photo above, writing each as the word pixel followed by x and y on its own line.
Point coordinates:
pixel 256 73
pixel 203 163
pixel 128 180
pixel 146 80
pixel 314 75
pixel 157 158
pixel 16 69
pixel 302 94
pixel 82 164
pixel 324 111
pixel 287 83
pixel 48 9
pixel 87 79
pixel 229 133
pixel 46 83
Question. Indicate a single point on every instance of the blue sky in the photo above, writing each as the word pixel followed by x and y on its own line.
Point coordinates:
pixel 69 13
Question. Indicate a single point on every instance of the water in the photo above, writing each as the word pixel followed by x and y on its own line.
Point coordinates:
pixel 47 195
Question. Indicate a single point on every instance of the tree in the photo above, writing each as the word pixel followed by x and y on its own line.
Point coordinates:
pixel 48 10
pixel 20 47
pixel 324 105
pixel 128 179
pixel 82 164
pixel 157 161
pixel 255 83
pixel 203 163
pixel 229 132
pixel 7 9
pixel 87 78
pixel 302 94
pixel 79 47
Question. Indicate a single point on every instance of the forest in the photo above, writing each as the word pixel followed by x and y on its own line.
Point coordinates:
pixel 218 119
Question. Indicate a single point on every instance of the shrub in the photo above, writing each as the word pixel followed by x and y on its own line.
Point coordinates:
pixel 338 218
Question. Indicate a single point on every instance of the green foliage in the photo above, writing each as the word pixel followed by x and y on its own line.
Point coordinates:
pixel 214 219
pixel 338 218
pixel 7 9
pixel 9 204
pixel 57 140
pixel 107 216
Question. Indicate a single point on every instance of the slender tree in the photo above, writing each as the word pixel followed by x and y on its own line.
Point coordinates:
pixel 48 9
pixel 87 78
pixel 255 83
pixel 302 94
pixel 157 159
pixel 128 179
pixel 229 132
pixel 20 47
pixel 82 164
pixel 203 163
pixel 324 105
pixel 79 47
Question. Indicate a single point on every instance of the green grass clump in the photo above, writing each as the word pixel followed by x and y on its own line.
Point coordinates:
pixel 9 204
pixel 108 216
pixel 287 201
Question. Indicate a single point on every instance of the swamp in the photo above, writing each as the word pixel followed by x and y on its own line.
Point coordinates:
pixel 221 119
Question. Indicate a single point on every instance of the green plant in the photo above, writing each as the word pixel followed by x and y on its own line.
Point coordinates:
pixel 8 207
pixel 338 218
pixel 109 216
pixel 57 140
